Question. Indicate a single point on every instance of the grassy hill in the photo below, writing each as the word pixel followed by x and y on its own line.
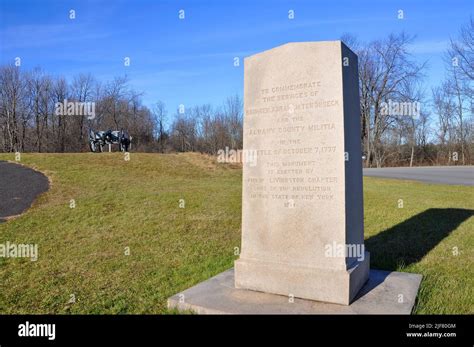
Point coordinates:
pixel 130 243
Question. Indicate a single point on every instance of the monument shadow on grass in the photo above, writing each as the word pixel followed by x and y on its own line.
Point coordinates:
pixel 408 242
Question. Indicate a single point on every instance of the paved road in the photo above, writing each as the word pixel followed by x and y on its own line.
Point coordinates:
pixel 19 186
pixel 458 175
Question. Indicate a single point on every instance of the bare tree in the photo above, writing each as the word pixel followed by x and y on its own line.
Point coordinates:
pixel 12 89
pixel 60 93
pixel 233 111
pixel 159 114
pixel 461 51
pixel 82 91
pixel 457 92
pixel 386 69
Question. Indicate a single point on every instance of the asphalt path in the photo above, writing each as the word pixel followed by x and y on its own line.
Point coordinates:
pixel 19 187
pixel 455 175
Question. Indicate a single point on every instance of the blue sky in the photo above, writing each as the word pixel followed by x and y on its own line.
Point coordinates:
pixel 191 61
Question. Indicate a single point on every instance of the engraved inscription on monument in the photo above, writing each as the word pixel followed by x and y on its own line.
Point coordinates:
pixel 292 180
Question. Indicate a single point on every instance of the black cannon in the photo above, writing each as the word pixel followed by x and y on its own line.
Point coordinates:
pixel 97 140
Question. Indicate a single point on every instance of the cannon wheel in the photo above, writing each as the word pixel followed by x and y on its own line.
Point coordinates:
pixel 92 146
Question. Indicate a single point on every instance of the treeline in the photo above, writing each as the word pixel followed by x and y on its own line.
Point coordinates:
pixel 202 128
pixel 30 121
pixel 402 123
pixel 441 131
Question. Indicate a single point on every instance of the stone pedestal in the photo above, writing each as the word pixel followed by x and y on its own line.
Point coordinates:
pixel 379 295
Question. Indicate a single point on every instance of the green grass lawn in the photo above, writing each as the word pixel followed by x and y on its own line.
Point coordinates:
pixel 135 205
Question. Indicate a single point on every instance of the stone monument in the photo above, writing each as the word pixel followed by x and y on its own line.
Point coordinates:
pixel 302 206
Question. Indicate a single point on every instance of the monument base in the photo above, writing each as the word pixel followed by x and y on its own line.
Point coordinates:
pixel 384 293
pixel 332 286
